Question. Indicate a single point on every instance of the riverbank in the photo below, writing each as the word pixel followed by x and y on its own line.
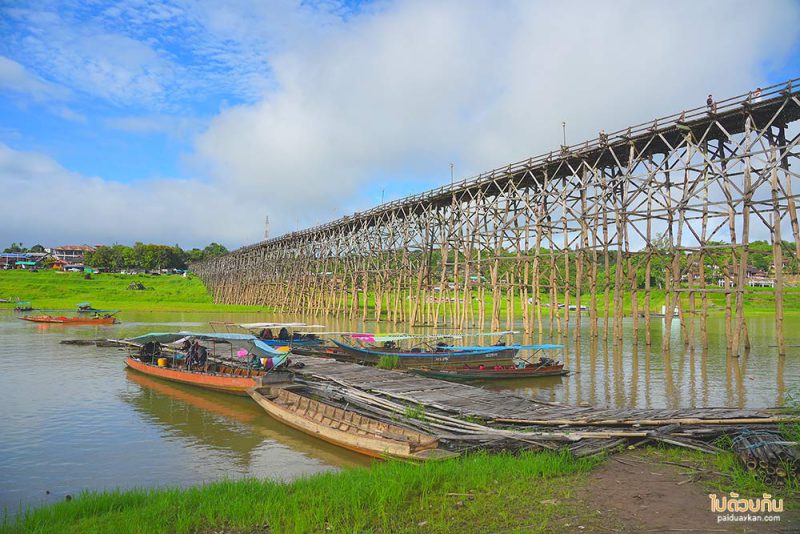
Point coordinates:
pixel 48 289
pixel 533 492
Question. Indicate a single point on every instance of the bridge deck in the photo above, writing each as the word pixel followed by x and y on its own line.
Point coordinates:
pixel 656 137
pixel 465 400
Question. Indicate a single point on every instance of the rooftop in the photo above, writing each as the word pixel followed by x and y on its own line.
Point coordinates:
pixel 85 248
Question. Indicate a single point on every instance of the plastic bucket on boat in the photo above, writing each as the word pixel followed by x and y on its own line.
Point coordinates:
pixel 162 362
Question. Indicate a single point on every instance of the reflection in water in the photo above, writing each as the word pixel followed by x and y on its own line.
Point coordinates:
pixel 235 425
pixel 631 373
pixel 76 420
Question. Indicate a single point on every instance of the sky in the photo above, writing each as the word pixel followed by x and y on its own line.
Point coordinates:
pixel 190 121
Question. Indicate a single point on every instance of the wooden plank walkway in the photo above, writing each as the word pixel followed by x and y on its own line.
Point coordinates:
pixel 466 400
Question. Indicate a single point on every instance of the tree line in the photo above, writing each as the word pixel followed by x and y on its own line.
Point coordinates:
pixel 139 256
pixel 18 248
pixel 715 260
pixel 149 256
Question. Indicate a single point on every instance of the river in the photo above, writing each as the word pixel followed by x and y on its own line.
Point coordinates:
pixel 74 418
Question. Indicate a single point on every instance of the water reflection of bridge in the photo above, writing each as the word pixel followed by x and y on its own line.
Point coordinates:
pixel 675 200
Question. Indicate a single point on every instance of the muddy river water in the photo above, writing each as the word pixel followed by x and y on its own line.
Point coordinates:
pixel 74 418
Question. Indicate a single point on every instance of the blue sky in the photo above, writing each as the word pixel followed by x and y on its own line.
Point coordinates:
pixel 189 121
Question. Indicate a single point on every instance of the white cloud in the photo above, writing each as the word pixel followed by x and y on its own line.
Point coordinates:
pixel 69 114
pixel 87 57
pixel 405 90
pixel 344 103
pixel 42 201
pixel 173 126
pixel 16 78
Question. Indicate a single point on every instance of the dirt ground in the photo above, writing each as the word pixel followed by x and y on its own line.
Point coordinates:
pixel 632 494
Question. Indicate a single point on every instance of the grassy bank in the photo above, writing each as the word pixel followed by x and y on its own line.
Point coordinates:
pixel 758 301
pixel 60 290
pixel 479 493
pixel 533 492
pixel 52 289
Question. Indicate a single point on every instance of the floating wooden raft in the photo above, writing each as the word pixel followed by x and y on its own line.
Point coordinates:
pixel 507 408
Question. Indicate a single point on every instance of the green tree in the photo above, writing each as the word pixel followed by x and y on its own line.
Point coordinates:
pixel 214 250
pixel 194 255
pixel 102 257
pixel 760 255
pixel 18 248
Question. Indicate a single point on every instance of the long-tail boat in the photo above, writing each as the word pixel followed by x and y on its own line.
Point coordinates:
pixel 346 428
pixel 523 368
pixel 497 372
pixel 208 373
pixel 23 307
pixel 105 319
pixel 418 357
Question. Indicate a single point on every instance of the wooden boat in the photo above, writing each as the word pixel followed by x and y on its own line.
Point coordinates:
pixel 216 376
pixel 211 373
pixel 346 428
pixel 85 307
pixel 662 315
pixel 496 372
pixel 69 320
pixel 23 306
pixel 496 355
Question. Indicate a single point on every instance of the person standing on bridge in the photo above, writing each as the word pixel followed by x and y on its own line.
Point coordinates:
pixel 757 95
pixel 712 106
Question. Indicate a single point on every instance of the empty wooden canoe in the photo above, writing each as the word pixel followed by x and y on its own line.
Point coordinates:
pixel 346 428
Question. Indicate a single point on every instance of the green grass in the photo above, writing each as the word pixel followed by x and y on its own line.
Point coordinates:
pixel 416 411
pixel 532 492
pixel 758 301
pixel 51 289
pixel 477 493
pixel 389 362
pixel 59 290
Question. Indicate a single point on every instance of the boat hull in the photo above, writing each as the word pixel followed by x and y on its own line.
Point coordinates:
pixel 293 342
pixel 464 374
pixel 344 428
pixel 408 359
pixel 237 385
pixel 69 320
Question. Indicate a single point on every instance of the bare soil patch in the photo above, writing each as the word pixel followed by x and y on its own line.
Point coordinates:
pixel 629 493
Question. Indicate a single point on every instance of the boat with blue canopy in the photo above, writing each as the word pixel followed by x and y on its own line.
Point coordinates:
pixel 524 367
pixel 200 365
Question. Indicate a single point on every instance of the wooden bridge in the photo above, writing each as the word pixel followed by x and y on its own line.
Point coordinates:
pixel 676 199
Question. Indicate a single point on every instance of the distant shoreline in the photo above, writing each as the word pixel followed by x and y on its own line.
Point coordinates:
pixel 48 289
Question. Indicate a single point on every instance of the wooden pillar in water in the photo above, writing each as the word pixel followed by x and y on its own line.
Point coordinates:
pixel 740 333
pixel 777 246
